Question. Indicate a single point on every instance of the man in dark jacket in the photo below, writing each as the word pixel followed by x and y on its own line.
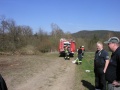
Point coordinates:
pixel 113 70
pixel 101 62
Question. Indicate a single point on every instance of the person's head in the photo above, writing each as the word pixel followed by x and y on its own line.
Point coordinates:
pixel 82 46
pixel 99 45
pixel 113 43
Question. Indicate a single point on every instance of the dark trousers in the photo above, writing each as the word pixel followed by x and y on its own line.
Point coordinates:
pixel 100 82
pixel 80 57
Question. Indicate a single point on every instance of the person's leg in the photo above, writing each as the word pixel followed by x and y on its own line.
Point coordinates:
pixel 80 58
pixel 102 81
pixel 82 54
pixel 65 55
pixel 97 81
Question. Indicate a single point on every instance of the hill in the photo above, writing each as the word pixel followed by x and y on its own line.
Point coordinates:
pixel 98 33
pixel 89 38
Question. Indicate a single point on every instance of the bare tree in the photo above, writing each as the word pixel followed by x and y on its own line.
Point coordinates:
pixel 3 30
pixel 56 31
pixel 56 34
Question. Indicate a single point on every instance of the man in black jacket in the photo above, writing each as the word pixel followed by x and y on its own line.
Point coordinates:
pixel 113 70
pixel 101 62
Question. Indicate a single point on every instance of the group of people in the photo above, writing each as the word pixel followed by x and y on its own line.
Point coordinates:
pixel 107 69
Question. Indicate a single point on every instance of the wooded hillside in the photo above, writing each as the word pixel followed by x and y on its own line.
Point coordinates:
pixel 99 33
pixel 89 38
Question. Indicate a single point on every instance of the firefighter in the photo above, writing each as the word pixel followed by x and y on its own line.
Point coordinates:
pixel 80 51
pixel 80 55
pixel 79 60
pixel 67 53
pixel 83 50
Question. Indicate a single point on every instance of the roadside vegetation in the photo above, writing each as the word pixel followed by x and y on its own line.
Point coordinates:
pixel 82 76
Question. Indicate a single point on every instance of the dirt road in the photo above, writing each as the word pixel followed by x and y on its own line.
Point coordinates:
pixel 44 72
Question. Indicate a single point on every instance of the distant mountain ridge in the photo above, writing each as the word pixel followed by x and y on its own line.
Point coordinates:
pixel 98 33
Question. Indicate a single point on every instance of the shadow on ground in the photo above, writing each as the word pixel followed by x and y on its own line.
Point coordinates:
pixel 88 85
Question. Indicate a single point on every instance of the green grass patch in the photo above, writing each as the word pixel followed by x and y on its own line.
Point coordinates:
pixel 83 77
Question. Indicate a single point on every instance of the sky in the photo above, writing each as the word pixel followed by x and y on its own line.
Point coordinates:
pixel 70 15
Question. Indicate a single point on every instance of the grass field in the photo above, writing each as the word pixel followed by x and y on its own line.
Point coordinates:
pixel 83 77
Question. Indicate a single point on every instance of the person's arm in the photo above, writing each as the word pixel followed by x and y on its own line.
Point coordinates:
pixel 106 58
pixel 106 65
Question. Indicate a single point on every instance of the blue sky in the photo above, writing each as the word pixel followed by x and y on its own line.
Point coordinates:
pixel 70 15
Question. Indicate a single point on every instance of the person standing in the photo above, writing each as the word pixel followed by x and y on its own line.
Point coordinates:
pixel 113 70
pixel 66 53
pixel 83 50
pixel 80 55
pixel 101 62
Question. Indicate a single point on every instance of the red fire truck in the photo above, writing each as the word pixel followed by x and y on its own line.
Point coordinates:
pixel 66 42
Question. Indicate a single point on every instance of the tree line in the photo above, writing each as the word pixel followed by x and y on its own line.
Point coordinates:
pixel 13 37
